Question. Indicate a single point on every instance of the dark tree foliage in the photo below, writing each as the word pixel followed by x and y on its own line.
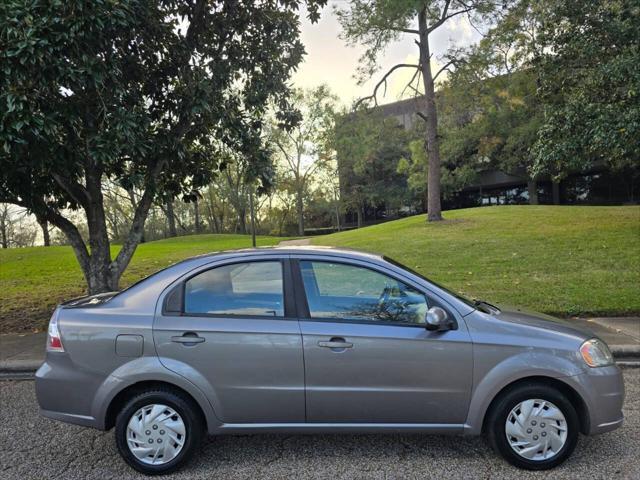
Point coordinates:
pixel 147 94
pixel 369 149
pixel 590 86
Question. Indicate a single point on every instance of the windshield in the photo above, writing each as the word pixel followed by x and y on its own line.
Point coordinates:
pixel 462 298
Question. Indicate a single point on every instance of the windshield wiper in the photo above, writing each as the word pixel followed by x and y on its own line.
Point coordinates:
pixel 481 303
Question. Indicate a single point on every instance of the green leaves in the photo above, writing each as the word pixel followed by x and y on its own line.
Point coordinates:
pixel 118 86
pixel 589 87
pixel 148 95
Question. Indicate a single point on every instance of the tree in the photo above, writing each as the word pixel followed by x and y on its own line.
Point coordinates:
pixel 490 120
pixel 454 175
pixel 499 78
pixel 368 150
pixel 378 23
pixel 16 227
pixel 5 225
pixel 144 94
pixel 300 151
pixel 589 87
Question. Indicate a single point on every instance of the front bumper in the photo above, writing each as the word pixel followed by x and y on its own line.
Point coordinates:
pixel 602 390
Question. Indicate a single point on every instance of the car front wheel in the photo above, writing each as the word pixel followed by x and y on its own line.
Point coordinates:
pixel 158 431
pixel 533 427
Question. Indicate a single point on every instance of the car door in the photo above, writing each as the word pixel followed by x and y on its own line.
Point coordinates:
pixel 368 357
pixel 234 325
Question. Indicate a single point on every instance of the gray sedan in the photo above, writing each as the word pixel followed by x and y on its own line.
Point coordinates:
pixel 307 340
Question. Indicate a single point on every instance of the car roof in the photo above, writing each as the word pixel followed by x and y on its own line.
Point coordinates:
pixel 292 250
pixel 148 289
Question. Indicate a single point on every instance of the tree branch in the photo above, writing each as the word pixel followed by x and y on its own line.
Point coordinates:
pixel 75 190
pixel 137 225
pixel 405 30
pixel 408 85
pixel 384 81
pixel 446 16
pixel 445 67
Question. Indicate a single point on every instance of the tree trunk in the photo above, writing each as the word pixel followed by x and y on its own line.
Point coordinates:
pixel 555 190
pixel 242 220
pixel 359 216
pixel 134 202
pixel 252 213
pixel 46 238
pixel 300 212
pixel 4 220
pixel 102 276
pixel 532 188
pixel 196 212
pixel 171 219
pixel 434 209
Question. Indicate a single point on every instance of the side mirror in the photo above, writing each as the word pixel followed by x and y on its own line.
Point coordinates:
pixel 437 320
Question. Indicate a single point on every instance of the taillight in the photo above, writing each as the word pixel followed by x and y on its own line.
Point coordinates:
pixel 54 340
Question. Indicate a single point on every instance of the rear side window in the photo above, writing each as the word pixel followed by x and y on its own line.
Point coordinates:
pixel 253 288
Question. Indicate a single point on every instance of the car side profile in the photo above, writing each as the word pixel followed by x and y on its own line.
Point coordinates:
pixel 311 340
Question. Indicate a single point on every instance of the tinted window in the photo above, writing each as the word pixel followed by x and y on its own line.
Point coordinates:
pixel 239 289
pixel 459 296
pixel 336 290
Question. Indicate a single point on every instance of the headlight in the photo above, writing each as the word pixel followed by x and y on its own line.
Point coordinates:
pixel 596 353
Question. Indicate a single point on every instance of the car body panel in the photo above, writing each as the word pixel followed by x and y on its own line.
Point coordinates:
pixel 388 366
pixel 244 385
pixel 393 374
pixel 254 366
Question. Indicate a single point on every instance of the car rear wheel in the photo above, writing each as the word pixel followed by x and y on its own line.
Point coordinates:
pixel 158 431
pixel 533 426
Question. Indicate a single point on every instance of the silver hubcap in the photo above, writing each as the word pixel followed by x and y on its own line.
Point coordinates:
pixel 536 429
pixel 155 434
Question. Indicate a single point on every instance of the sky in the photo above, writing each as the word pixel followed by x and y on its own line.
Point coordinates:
pixel 332 61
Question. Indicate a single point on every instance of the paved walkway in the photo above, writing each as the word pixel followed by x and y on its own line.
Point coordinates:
pixel 25 352
pixel 22 352
pixel 292 243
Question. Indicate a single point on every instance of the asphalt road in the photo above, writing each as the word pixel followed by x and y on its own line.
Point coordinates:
pixel 32 447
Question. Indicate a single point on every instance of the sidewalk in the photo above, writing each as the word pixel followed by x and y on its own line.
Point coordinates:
pixel 20 353
pixel 24 353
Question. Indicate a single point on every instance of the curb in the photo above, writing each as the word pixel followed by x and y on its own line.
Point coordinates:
pixel 20 366
pixel 17 375
pixel 625 351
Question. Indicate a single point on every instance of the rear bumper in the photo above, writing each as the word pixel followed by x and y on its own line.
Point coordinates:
pixel 65 392
pixel 83 420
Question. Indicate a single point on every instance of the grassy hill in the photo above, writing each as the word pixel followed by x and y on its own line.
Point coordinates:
pixel 33 280
pixel 559 260
pixel 562 260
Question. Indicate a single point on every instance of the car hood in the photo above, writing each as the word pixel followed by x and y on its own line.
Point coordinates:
pixel 540 320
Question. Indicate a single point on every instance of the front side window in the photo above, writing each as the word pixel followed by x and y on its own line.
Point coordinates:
pixel 253 288
pixel 349 292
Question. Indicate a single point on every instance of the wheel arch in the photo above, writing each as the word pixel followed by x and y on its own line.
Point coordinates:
pixel 574 397
pixel 120 399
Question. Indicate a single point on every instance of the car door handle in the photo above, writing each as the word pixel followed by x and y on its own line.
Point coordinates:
pixel 335 343
pixel 188 339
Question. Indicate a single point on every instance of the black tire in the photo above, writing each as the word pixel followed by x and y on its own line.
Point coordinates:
pixel 502 408
pixel 183 405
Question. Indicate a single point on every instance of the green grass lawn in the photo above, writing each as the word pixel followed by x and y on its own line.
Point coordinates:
pixel 33 280
pixel 561 260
